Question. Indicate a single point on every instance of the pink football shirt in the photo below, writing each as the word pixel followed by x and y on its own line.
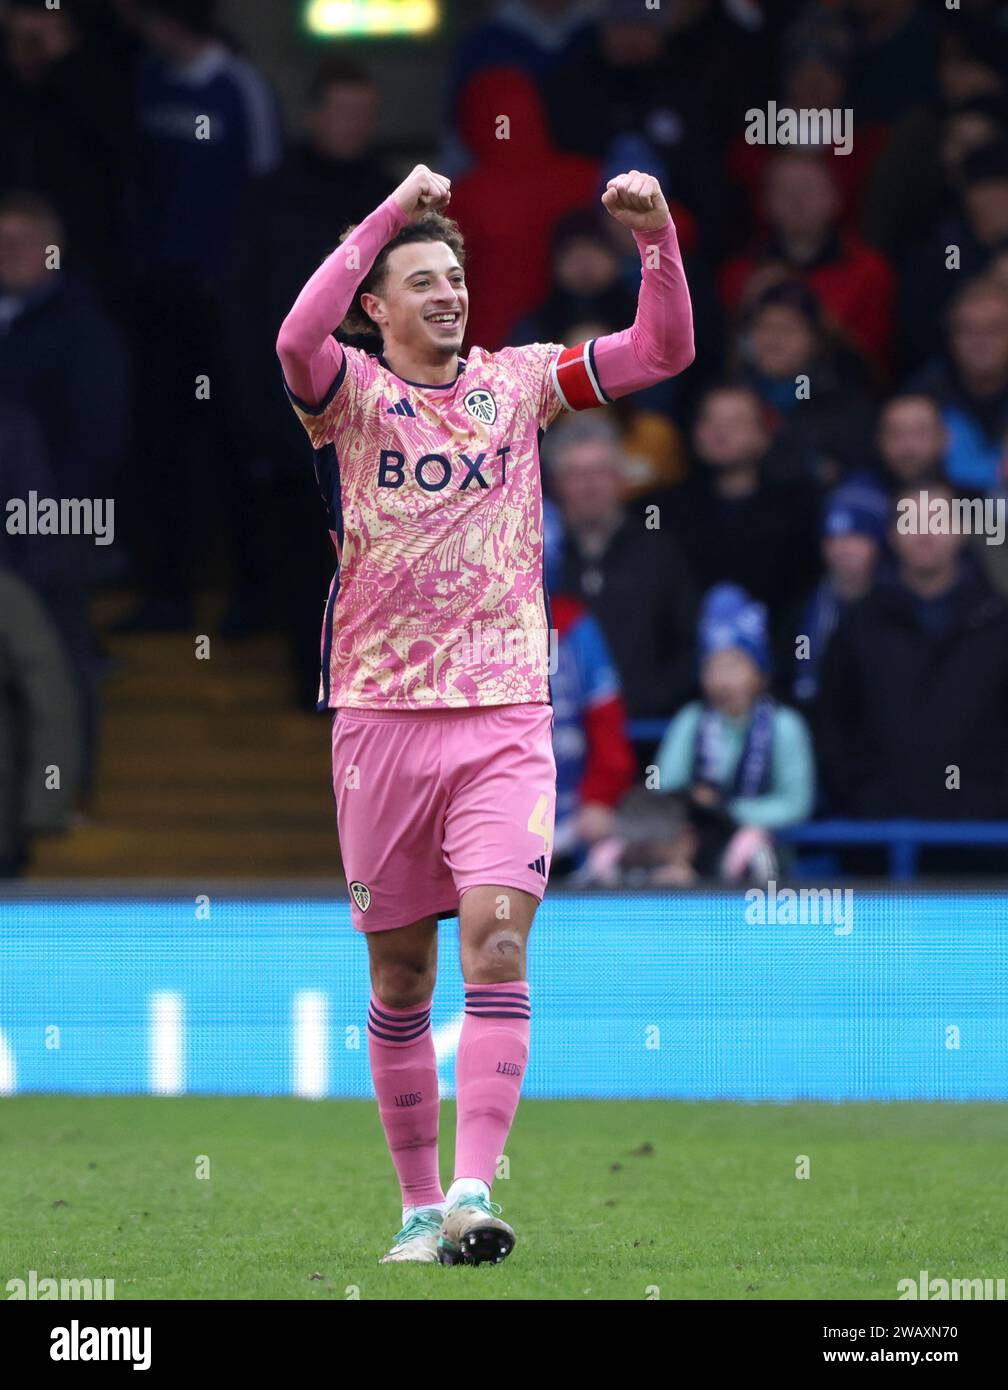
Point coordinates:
pixel 435 500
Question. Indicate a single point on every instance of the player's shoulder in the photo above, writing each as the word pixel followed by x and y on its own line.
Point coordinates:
pixel 525 369
pixel 568 372
pixel 362 368
pixel 367 358
pixel 523 356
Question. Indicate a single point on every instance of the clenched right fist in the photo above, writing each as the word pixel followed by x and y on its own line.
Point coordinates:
pixel 423 191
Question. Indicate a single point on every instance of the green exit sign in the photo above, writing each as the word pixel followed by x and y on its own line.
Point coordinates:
pixel 370 19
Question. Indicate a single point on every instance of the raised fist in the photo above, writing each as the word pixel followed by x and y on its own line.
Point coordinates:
pixel 636 200
pixel 423 191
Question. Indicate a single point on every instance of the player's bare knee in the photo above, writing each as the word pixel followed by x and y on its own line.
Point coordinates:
pixel 400 984
pixel 499 956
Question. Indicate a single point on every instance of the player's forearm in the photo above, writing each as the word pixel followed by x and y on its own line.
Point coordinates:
pixel 305 334
pixel 659 343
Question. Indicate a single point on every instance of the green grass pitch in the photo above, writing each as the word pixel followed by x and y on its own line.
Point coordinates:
pixel 610 1200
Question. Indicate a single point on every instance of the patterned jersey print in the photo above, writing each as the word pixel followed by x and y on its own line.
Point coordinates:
pixel 435 503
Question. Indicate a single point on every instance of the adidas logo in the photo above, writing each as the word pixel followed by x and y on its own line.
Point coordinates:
pixel 402 407
pixel 539 865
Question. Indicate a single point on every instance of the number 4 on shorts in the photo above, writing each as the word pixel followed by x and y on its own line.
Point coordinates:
pixel 539 822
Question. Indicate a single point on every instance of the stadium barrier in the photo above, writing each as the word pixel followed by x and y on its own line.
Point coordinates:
pixel 877 996
pixel 901 839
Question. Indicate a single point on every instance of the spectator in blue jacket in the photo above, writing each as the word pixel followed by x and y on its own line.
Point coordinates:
pixel 971 385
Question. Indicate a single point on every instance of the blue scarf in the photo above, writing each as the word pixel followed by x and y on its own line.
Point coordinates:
pixel 819 622
pixel 752 775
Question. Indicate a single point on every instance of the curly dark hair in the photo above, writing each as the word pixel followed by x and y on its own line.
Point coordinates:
pixel 431 227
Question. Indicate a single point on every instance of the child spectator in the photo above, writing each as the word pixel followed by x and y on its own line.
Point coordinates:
pixel 732 768
pixel 742 763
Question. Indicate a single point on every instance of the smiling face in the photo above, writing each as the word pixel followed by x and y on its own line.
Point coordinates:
pixel 422 303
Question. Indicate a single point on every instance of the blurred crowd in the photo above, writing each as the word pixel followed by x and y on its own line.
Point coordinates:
pixel 742 624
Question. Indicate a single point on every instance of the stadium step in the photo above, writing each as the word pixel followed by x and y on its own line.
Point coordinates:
pixel 205 768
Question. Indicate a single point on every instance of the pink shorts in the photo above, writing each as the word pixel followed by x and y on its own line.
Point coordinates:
pixel 430 803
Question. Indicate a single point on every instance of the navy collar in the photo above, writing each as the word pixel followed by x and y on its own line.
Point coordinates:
pixel 426 385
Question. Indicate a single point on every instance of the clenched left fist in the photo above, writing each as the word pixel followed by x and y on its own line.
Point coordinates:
pixel 636 200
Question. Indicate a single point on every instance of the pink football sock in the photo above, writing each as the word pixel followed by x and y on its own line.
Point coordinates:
pixel 490 1065
pixel 404 1071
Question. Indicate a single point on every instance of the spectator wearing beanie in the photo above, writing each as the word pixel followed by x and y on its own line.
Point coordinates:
pixel 852 544
pixel 743 761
